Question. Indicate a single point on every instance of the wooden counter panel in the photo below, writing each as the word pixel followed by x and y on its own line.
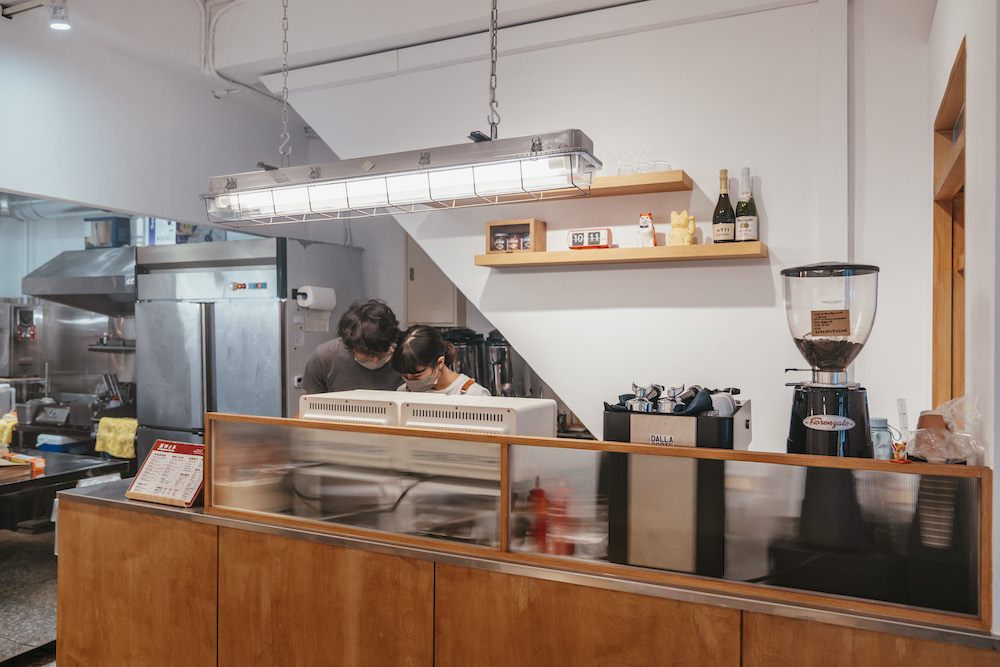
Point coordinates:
pixel 284 601
pixel 490 618
pixel 134 589
pixel 773 641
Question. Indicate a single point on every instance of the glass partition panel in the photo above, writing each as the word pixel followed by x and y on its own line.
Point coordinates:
pixel 559 502
pixel 426 486
pixel 889 536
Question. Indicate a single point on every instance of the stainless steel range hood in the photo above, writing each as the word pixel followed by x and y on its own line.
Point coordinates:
pixel 99 280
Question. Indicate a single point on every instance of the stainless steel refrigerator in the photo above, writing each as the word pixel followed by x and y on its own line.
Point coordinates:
pixel 218 329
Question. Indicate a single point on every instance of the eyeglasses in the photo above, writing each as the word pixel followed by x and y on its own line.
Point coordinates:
pixel 360 355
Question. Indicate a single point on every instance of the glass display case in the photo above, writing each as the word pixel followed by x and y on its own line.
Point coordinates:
pixel 445 487
pixel 897 539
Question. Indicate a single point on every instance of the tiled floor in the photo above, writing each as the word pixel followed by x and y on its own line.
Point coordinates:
pixel 27 599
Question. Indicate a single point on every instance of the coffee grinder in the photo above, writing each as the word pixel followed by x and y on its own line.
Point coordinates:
pixel 831 310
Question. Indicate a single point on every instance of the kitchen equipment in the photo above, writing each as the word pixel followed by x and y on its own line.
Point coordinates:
pixel 100 280
pixel 27 412
pixel 668 512
pixel 217 329
pixel 501 368
pixel 646 398
pixel 8 398
pixel 451 508
pixel 830 309
pixel 470 353
pixel 56 414
pixel 20 340
pixel 78 311
pixel 654 428
pixel 356 496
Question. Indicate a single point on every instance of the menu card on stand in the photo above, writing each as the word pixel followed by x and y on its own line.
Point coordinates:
pixel 172 474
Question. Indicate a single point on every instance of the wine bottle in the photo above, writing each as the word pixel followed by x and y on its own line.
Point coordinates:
pixel 746 210
pixel 723 219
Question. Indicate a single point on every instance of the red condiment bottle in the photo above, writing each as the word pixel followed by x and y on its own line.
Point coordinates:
pixel 539 510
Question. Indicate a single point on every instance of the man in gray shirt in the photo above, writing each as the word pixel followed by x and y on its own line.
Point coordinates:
pixel 359 358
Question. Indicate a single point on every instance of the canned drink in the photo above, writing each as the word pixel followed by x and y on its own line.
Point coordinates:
pixel 514 242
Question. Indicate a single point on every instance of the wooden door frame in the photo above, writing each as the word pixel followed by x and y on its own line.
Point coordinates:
pixel 948 341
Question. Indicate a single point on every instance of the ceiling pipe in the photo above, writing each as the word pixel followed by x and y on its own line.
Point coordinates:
pixel 28 209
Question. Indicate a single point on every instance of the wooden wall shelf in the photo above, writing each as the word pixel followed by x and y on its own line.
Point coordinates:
pixel 639 184
pixel 707 251
pixel 631 184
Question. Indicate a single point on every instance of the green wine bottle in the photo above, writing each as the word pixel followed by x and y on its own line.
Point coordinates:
pixel 746 210
pixel 723 219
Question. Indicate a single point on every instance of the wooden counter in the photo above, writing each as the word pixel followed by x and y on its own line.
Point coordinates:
pixel 147 584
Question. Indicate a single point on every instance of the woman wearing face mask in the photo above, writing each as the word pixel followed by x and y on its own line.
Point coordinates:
pixel 359 358
pixel 423 358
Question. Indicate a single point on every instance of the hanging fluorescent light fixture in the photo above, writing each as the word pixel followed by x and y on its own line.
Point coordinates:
pixel 489 171
pixel 504 171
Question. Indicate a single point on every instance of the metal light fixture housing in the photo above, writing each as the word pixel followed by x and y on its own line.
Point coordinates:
pixel 545 166
pixel 58 15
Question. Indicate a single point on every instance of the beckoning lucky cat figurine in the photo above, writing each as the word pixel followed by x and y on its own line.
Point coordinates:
pixel 647 235
pixel 681 229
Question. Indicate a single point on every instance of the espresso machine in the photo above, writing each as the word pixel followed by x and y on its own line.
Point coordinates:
pixel 830 309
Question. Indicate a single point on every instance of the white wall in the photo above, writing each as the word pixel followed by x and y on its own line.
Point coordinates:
pixel 592 331
pixel 978 23
pixel 82 123
pixel 891 174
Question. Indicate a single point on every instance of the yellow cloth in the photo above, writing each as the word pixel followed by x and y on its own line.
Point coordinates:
pixel 116 436
pixel 7 424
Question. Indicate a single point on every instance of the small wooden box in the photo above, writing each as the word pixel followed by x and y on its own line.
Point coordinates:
pixel 513 236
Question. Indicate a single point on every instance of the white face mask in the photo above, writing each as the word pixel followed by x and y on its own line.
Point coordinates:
pixel 377 364
pixel 422 384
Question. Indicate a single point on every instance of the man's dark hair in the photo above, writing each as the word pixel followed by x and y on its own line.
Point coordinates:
pixel 369 327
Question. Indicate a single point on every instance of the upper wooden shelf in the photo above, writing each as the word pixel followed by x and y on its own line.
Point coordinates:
pixel 741 250
pixel 639 184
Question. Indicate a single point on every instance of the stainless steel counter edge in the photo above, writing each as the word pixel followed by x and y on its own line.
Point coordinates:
pixel 112 495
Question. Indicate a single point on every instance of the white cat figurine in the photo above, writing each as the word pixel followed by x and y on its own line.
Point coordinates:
pixel 647 235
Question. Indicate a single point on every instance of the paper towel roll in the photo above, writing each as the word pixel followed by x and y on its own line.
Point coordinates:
pixel 317 298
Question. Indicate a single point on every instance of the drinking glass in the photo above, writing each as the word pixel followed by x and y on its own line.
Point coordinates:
pixel 610 167
pixel 626 165
pixel 644 161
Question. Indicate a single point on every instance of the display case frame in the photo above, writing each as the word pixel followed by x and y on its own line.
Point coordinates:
pixel 980 477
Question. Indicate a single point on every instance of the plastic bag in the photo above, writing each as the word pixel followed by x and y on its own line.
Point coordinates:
pixel 959 442
pixel 962 415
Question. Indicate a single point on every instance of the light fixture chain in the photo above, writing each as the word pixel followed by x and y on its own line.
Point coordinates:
pixel 494 117
pixel 286 148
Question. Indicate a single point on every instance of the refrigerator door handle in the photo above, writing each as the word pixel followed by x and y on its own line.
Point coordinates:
pixel 207 381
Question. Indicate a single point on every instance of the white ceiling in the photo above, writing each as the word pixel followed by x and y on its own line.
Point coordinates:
pixel 243 38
